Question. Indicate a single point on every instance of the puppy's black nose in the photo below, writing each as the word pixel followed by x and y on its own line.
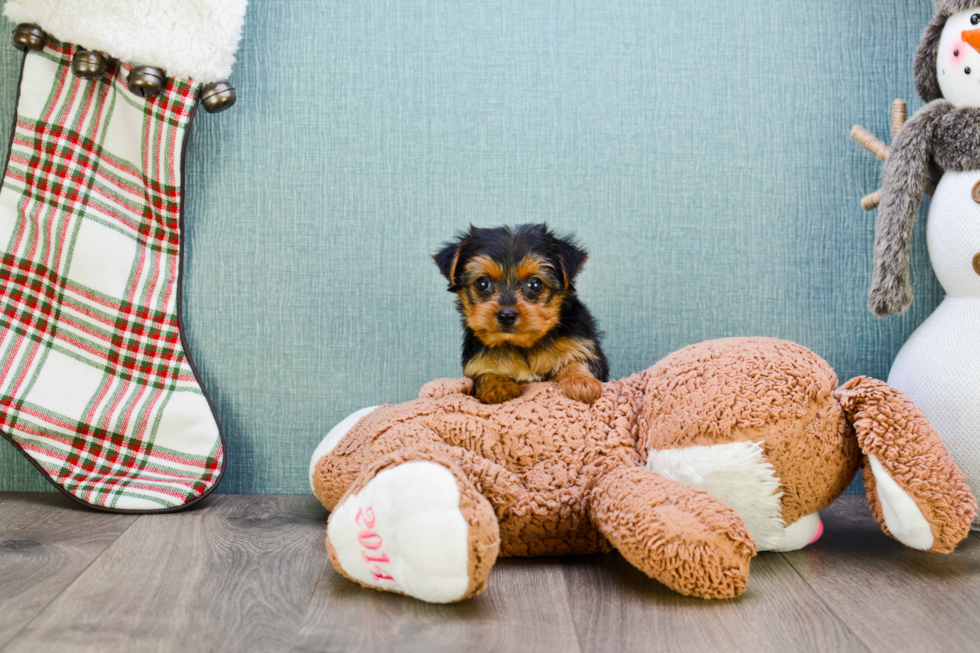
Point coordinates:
pixel 507 316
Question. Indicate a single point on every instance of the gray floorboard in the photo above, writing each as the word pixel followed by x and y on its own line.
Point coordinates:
pixel 894 598
pixel 235 574
pixel 617 608
pixel 46 542
pixel 250 573
pixel 524 608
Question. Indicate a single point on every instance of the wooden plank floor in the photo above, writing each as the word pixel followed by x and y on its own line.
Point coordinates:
pixel 249 573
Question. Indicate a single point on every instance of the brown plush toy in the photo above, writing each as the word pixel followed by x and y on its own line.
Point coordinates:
pixel 688 469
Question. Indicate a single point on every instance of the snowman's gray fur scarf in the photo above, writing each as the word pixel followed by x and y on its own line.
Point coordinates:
pixel 938 138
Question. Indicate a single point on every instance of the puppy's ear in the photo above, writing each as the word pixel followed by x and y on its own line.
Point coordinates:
pixel 571 258
pixel 447 259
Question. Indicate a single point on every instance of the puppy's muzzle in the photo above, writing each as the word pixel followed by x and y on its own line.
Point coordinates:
pixel 507 317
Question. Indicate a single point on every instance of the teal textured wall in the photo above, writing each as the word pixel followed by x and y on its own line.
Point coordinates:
pixel 702 155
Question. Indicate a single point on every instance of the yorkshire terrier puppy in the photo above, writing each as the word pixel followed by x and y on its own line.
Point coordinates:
pixel 522 319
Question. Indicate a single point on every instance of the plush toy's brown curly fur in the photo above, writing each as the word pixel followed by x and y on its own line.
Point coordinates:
pixel 547 475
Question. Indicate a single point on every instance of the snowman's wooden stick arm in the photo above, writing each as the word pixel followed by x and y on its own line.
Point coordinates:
pixel 900 115
pixel 870 142
pixel 906 178
pixel 876 146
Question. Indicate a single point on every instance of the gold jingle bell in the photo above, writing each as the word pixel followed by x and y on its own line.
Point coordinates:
pixel 88 65
pixel 218 96
pixel 146 81
pixel 28 36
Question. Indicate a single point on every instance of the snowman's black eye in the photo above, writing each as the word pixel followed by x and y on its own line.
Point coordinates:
pixel 974 19
pixel 967 71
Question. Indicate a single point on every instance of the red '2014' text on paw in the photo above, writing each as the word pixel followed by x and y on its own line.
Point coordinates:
pixel 372 543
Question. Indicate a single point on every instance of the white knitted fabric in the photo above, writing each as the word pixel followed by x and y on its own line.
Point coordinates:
pixel 939 367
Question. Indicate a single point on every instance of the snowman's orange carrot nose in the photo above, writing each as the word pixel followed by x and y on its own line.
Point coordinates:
pixel 972 36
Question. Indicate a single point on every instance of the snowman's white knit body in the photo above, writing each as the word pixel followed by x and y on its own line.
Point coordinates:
pixel 939 366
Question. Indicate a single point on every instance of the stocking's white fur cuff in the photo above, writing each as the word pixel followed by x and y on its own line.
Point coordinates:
pixel 186 38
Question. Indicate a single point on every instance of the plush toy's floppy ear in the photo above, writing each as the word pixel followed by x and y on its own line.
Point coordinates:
pixel 447 259
pixel 571 258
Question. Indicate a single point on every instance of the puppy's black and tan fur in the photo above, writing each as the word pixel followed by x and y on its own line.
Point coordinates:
pixel 522 319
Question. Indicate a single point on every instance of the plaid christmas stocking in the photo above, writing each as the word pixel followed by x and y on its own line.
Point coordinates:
pixel 96 387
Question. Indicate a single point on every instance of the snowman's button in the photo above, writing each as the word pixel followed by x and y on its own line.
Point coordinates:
pixel 976 263
pixel 975 194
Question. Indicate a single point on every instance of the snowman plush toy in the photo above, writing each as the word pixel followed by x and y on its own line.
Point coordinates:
pixel 939 367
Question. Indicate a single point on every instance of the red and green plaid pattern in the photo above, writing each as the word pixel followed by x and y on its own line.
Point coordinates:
pixel 95 386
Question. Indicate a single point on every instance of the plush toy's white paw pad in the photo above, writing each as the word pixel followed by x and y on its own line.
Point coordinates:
pixel 334 436
pixel 804 531
pixel 404 532
pixel 905 521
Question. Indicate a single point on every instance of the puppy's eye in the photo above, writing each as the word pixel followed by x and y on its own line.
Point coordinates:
pixel 483 284
pixel 974 19
pixel 533 286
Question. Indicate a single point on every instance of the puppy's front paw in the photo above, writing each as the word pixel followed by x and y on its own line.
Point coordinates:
pixel 493 389
pixel 581 388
